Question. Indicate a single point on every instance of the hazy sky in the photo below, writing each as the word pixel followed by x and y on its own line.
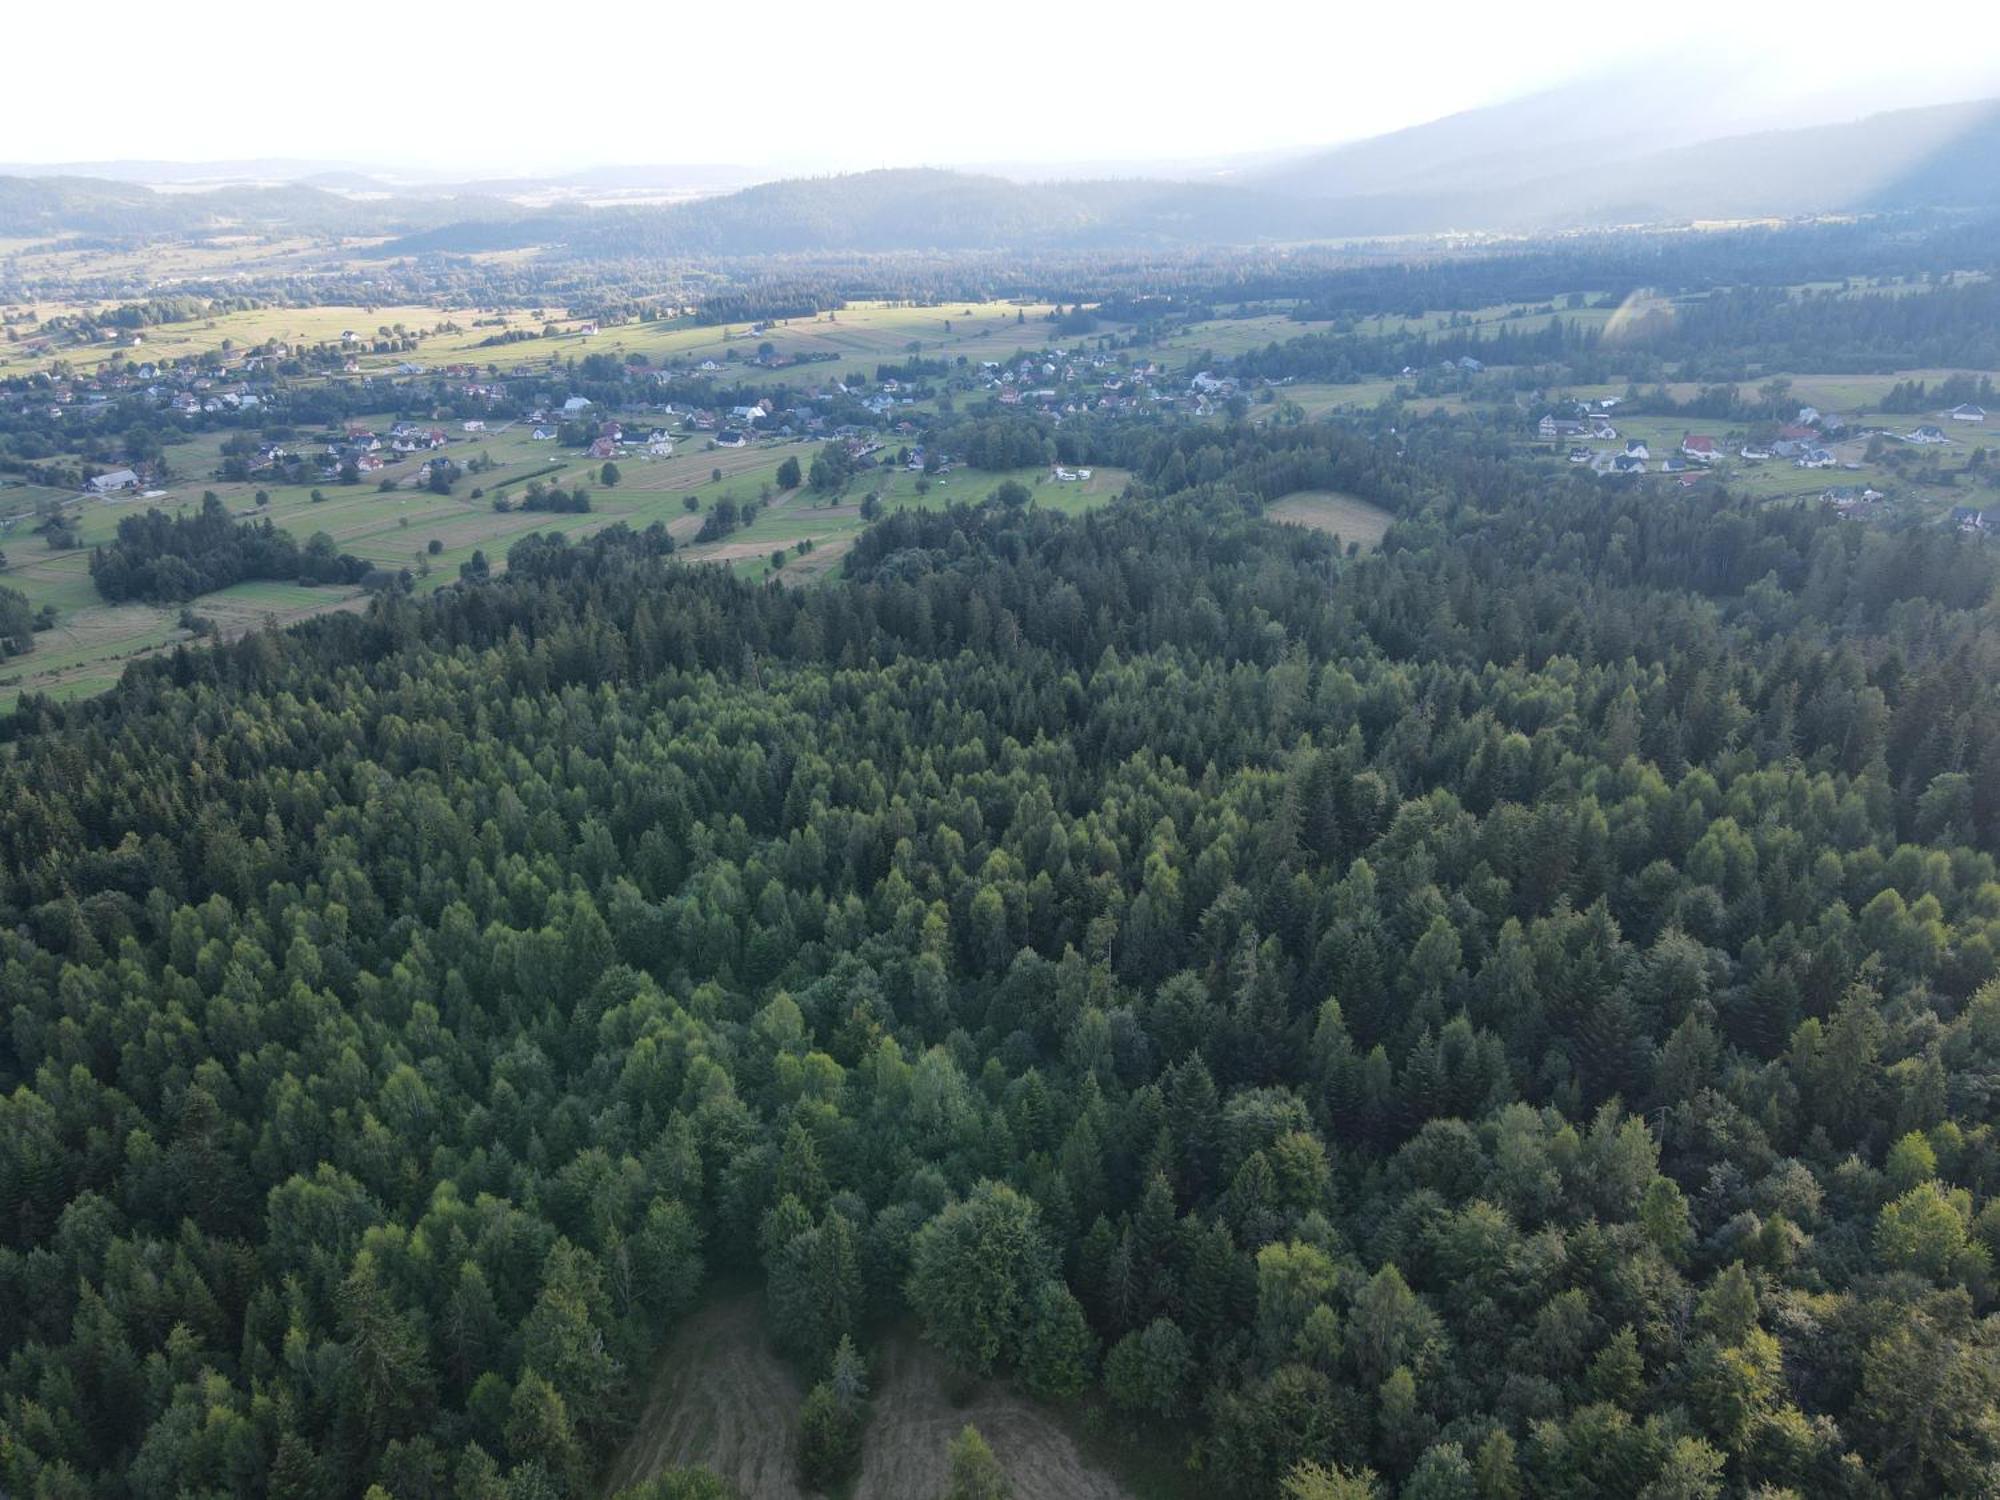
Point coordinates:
pixel 781 85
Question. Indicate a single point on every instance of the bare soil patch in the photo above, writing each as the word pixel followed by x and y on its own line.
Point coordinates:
pixel 721 1398
pixel 903 1454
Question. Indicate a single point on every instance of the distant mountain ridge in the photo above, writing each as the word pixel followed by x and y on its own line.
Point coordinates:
pixel 1530 166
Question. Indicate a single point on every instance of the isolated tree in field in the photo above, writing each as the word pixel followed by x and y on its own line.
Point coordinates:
pixel 829 1438
pixel 975 1473
pixel 1012 493
pixel 608 475
pixel 831 1421
pixel 973 1271
pixel 788 474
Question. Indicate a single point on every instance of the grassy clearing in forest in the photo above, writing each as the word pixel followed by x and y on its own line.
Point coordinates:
pixel 1348 517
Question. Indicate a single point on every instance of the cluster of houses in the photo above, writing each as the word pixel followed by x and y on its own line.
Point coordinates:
pixel 1931 433
pixel 1801 442
pixel 1594 424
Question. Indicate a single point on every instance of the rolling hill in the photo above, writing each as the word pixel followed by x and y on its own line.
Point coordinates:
pixel 1564 160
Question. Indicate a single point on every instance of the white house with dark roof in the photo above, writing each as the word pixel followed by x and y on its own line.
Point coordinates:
pixel 1968 413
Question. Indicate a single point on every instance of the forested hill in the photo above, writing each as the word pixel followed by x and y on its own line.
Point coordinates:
pixel 1515 1014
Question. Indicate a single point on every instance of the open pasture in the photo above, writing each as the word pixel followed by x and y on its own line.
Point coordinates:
pixel 1347 517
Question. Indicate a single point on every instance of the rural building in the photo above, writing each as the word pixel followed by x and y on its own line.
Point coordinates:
pixel 1965 518
pixel 1968 413
pixel 1700 449
pixel 576 404
pixel 1927 433
pixel 117 479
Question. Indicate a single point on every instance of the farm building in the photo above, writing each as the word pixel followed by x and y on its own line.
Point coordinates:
pixel 1968 413
pixel 117 479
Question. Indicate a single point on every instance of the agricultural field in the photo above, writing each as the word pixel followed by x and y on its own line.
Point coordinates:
pixel 161 262
pixel 237 330
pixel 859 337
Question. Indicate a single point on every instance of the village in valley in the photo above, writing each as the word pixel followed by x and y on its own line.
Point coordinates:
pixel 431 444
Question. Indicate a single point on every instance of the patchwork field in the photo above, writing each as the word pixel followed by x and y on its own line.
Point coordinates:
pixel 853 340
pixel 240 330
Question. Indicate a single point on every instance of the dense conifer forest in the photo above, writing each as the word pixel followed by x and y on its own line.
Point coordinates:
pixel 1515 1014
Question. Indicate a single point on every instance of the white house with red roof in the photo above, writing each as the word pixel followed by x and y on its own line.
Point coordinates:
pixel 1701 450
